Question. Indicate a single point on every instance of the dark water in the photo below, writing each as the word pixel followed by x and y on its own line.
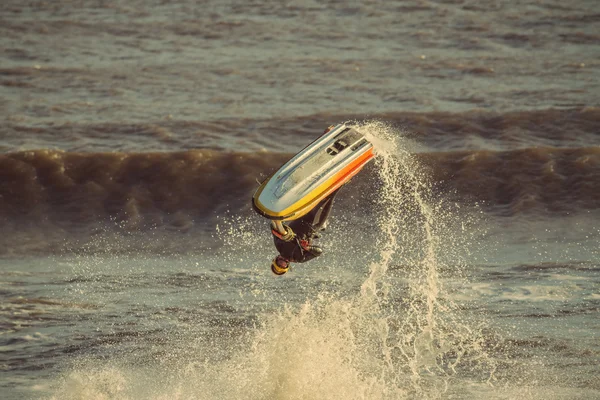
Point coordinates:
pixel 462 263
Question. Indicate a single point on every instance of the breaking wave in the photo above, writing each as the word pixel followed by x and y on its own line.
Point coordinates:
pixel 82 187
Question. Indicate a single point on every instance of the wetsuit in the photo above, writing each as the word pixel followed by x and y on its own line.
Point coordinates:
pixel 299 248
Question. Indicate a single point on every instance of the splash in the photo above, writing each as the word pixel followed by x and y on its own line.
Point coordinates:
pixel 426 331
pixel 397 336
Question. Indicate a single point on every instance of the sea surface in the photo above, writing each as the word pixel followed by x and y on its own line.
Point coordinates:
pixel 462 263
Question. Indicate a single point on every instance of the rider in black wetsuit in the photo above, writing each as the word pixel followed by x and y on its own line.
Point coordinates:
pixel 296 244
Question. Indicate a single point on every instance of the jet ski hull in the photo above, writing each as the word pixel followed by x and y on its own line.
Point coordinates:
pixel 314 173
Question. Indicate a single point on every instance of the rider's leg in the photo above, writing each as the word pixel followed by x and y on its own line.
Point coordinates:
pixel 322 213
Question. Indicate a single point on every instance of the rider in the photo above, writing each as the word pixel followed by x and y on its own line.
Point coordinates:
pixel 295 245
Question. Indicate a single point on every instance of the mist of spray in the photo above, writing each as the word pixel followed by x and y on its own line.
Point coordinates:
pixel 397 337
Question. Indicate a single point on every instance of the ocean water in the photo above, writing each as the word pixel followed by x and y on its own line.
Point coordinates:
pixel 462 263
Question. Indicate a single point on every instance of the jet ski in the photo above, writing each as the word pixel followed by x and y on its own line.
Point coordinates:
pixel 314 173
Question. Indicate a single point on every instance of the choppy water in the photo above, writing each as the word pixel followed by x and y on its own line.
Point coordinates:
pixel 462 263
